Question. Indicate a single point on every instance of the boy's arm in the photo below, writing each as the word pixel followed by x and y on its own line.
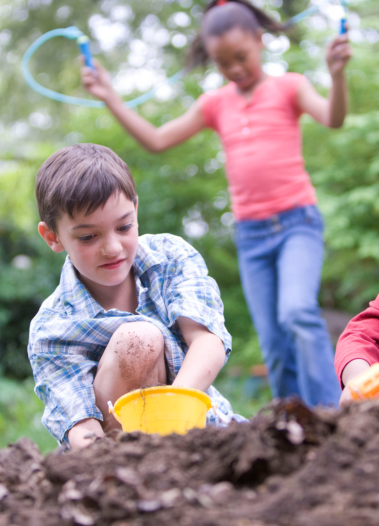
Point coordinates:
pixel 193 304
pixel 330 112
pixel 64 373
pixel 154 139
pixel 205 356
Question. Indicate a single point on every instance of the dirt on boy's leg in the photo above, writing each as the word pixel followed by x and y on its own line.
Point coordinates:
pixel 134 358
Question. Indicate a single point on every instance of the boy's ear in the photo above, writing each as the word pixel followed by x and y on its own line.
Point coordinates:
pixel 136 207
pixel 50 237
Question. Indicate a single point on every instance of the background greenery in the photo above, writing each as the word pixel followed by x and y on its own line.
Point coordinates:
pixel 182 191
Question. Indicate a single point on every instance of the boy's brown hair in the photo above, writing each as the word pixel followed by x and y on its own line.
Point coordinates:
pixel 80 177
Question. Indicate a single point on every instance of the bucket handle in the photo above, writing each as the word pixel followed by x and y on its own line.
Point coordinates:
pixel 111 410
pixel 220 415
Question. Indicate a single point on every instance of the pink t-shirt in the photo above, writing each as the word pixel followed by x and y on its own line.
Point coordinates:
pixel 263 146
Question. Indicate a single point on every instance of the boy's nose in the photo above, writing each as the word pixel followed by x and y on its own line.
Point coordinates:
pixel 111 247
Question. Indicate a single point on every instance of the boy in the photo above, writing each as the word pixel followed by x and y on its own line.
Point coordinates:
pixel 357 348
pixel 129 311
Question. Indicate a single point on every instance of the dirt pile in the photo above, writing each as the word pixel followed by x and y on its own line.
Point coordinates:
pixel 288 467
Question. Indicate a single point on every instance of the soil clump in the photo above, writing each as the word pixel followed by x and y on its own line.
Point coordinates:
pixel 288 467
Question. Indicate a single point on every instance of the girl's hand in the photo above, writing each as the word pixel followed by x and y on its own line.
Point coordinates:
pixel 338 54
pixel 97 82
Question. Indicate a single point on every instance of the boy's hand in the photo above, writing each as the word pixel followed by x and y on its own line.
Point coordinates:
pixel 352 369
pixel 338 54
pixel 84 433
pixel 98 82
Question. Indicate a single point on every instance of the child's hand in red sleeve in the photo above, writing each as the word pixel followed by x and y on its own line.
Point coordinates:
pixel 352 369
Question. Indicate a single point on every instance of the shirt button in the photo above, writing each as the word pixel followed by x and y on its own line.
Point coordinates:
pixel 244 121
pixel 245 131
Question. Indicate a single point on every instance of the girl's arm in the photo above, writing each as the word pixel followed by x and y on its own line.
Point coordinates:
pixel 154 139
pixel 330 112
pixel 205 356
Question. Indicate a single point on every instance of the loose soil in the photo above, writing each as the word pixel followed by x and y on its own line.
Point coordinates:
pixel 288 467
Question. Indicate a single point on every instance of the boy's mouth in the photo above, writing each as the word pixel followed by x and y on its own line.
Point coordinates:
pixel 113 264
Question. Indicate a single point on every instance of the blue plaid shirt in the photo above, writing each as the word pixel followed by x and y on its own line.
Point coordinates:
pixel 71 330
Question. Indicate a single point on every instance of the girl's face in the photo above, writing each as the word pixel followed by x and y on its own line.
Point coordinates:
pixel 237 54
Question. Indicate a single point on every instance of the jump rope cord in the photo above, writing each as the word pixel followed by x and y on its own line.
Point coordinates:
pixel 73 33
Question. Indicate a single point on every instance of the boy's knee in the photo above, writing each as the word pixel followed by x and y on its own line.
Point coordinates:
pixel 136 341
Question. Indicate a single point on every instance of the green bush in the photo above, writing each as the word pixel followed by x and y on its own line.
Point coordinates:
pixel 28 274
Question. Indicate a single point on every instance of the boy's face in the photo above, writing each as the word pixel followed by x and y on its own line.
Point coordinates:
pixel 102 245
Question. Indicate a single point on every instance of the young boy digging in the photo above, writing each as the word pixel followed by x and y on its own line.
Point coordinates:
pixel 129 311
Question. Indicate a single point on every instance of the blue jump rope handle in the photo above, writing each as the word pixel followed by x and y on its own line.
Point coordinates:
pixel 85 49
pixel 343 27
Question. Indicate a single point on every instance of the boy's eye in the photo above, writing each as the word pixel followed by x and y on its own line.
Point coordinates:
pixel 125 228
pixel 85 239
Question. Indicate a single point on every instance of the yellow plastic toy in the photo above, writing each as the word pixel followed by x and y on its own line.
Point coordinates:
pixel 163 410
pixel 366 384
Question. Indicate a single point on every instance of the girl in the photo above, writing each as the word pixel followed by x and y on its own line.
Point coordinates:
pixel 279 228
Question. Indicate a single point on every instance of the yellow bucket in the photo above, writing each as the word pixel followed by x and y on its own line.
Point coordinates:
pixel 162 410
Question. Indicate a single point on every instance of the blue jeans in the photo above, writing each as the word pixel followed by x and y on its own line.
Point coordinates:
pixel 280 262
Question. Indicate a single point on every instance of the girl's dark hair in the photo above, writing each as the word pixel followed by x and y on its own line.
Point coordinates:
pixel 221 17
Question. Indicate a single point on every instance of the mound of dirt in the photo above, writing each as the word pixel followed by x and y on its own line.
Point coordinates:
pixel 288 467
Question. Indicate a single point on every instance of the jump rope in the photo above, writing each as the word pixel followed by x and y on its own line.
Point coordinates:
pixel 83 42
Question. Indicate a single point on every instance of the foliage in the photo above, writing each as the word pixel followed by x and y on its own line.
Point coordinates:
pixel 20 415
pixel 182 191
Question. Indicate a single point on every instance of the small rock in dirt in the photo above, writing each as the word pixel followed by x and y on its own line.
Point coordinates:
pixel 128 476
pixel 3 492
pixel 170 498
pixel 77 515
pixel 148 506
pixel 190 495
pixel 221 491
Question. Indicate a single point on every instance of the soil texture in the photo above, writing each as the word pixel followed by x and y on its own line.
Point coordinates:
pixel 288 467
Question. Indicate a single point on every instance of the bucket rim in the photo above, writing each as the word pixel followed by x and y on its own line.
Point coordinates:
pixel 160 389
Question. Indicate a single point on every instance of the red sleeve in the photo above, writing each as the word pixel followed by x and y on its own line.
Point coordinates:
pixel 360 339
pixel 290 85
pixel 209 103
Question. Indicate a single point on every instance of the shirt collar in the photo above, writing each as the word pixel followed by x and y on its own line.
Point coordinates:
pixel 77 298
pixel 146 257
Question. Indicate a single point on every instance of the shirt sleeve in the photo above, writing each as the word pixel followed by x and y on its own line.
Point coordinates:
pixel 291 83
pixel 190 292
pixel 209 108
pixel 360 339
pixel 64 370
